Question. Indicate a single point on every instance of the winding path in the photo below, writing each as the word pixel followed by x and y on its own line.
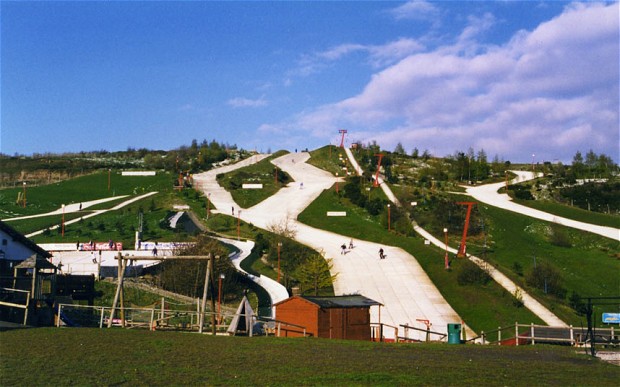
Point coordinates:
pixel 488 194
pixel 398 282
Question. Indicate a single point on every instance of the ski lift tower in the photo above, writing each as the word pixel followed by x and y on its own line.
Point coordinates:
pixel 463 247
pixel 343 131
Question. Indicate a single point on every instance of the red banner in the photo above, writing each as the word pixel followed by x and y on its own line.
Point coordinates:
pixel 105 246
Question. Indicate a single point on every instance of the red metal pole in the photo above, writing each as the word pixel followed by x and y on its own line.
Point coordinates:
pixel 62 229
pixel 208 205
pixel 343 131
pixel 376 182
pixel 279 245
pixel 463 247
pixel 446 258
pixel 238 224
pixel 336 182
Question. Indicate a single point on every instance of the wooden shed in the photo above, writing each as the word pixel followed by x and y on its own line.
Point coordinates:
pixel 337 317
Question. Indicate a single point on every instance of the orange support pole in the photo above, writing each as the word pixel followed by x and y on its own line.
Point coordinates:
pixel 463 247
pixel 343 131
pixel 376 182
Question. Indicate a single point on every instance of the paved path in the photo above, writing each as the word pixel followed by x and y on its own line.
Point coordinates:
pixel 276 291
pixel 398 281
pixel 488 194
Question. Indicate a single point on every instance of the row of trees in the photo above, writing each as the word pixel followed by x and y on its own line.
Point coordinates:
pixel 592 165
pixel 191 158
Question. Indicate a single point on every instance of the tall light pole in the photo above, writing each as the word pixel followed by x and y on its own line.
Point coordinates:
pixel 24 198
pixel 279 246
pixel 238 224
pixel 389 216
pixel 446 259
pixel 219 297
pixel 336 182
pixel 62 223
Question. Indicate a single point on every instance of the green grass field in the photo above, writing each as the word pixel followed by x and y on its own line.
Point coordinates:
pixel 83 356
pixel 573 213
pixel 483 308
pixel 589 267
pixel 119 225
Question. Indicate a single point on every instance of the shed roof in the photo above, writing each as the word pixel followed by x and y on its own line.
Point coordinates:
pixel 36 262
pixel 351 301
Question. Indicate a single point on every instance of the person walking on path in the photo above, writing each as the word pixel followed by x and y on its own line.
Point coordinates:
pixel 343 249
pixel 351 244
pixel 381 255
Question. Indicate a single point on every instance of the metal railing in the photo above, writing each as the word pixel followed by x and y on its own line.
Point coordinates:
pixel 531 334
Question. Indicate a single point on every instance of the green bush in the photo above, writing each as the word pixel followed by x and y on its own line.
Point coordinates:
pixel 471 274
pixel 559 236
pixel 547 278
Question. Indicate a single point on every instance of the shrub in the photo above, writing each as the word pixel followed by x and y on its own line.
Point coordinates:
pixel 547 278
pixel 518 298
pixel 375 206
pixel 559 236
pixel 518 269
pixel 471 274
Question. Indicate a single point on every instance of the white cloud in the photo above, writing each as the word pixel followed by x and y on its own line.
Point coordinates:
pixel 550 91
pixel 377 55
pixel 240 102
pixel 415 10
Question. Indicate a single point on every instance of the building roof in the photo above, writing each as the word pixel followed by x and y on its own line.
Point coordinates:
pixel 36 262
pixel 19 237
pixel 352 301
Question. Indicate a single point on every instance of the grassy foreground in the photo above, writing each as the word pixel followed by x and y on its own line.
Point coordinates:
pixel 53 356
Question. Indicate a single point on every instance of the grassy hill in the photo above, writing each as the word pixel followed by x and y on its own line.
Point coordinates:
pixel 82 356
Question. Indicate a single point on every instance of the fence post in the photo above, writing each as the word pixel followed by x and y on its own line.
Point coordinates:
pixel 152 323
pixel 27 308
pixel 101 318
pixel 572 336
pixel 532 332
pixel 499 335
pixel 279 327
pixel 483 338
pixel 58 319
pixel 516 334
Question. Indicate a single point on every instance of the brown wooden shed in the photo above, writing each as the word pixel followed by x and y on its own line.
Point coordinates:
pixel 337 317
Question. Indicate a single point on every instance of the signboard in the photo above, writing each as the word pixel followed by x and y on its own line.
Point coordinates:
pixel 138 173
pixel 611 318
pixel 336 213
pixel 251 186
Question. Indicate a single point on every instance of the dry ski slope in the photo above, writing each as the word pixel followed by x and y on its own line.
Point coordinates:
pixel 398 281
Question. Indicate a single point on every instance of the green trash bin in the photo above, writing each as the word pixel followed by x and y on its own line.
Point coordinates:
pixel 454 333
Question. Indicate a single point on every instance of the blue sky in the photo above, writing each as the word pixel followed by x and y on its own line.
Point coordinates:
pixel 513 78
